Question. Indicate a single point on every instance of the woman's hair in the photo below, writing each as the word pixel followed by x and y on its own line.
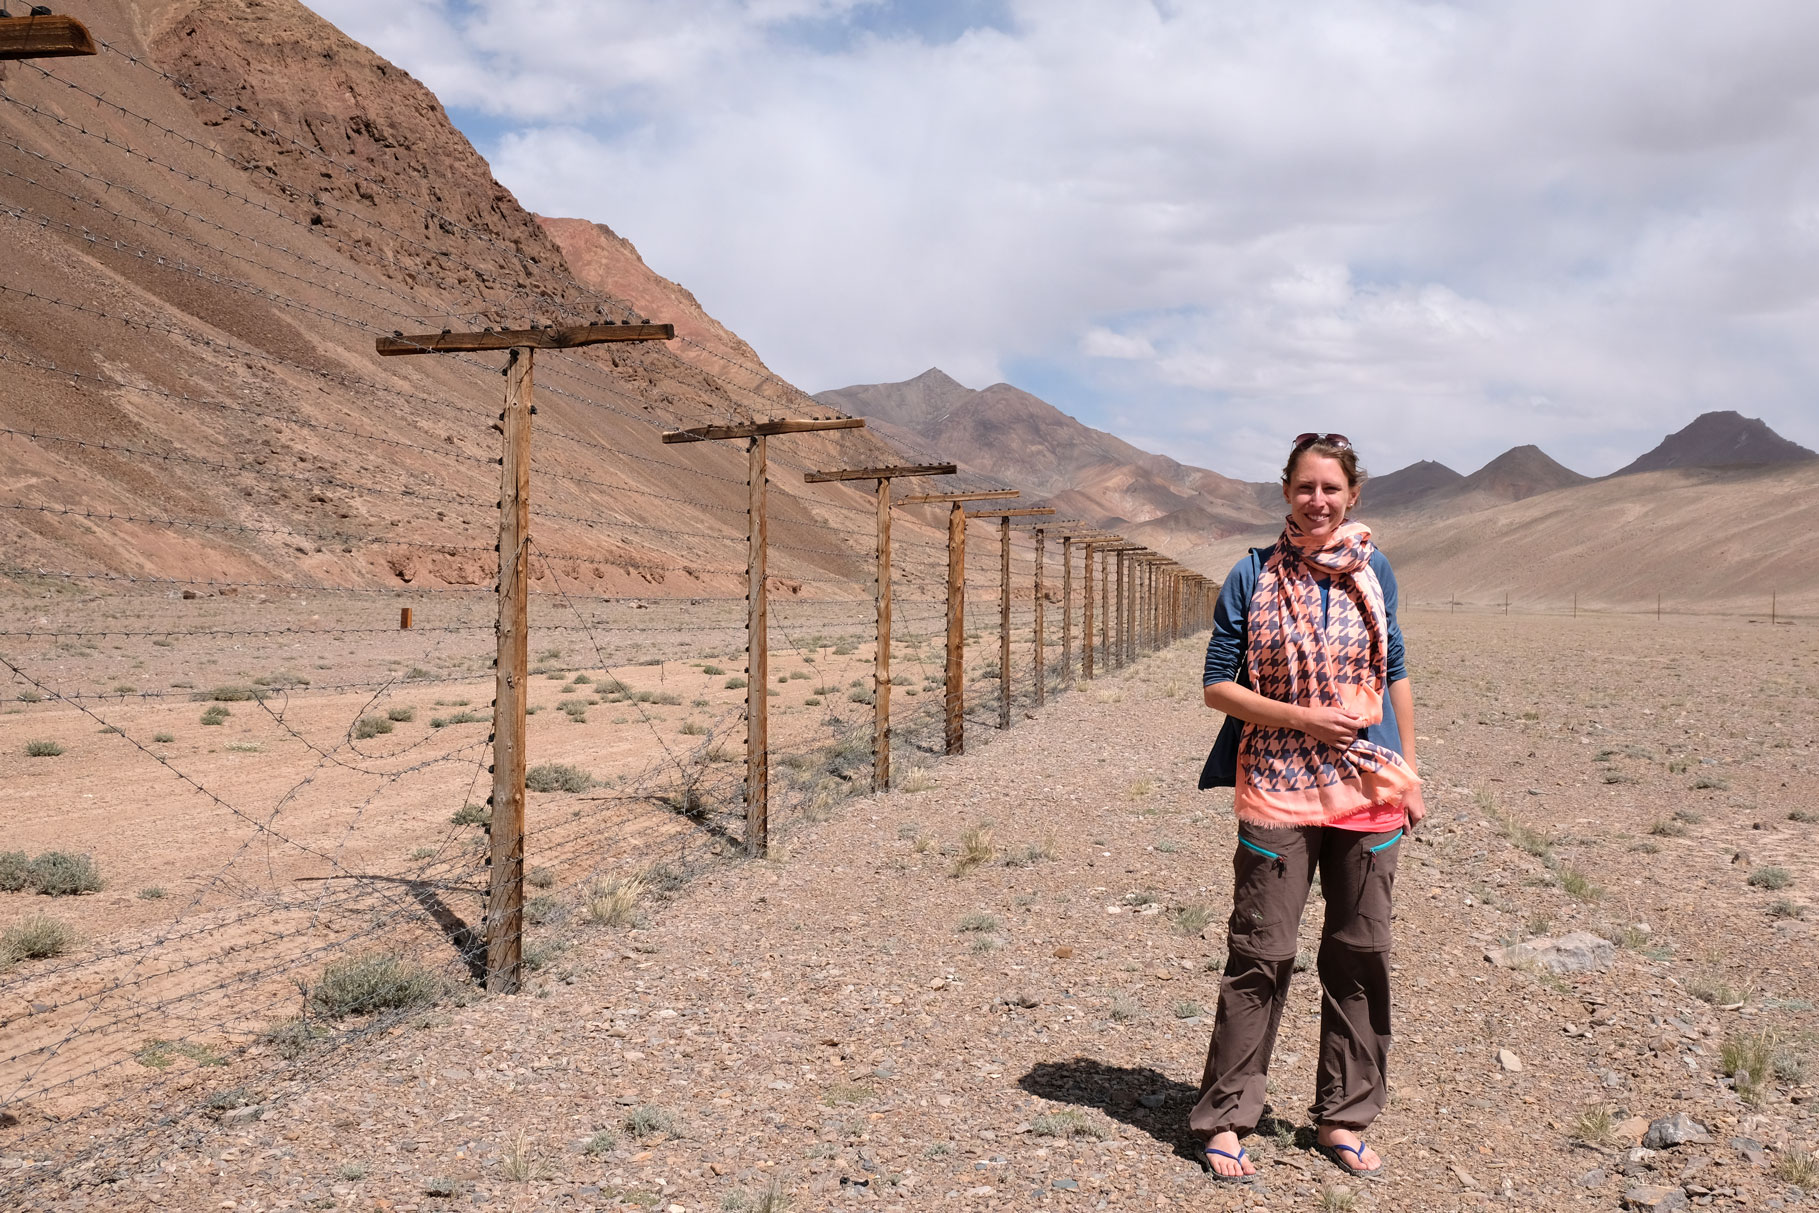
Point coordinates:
pixel 1340 450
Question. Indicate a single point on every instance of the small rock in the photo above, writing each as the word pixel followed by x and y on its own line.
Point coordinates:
pixel 1577 952
pixel 1152 1101
pixel 1063 953
pixel 1630 1130
pixel 1507 1060
pixel 1751 1149
pixel 1655 1198
pixel 1465 1178
pixel 439 1187
pixel 1675 1130
pixel 1066 1185
pixel 241 1116
pixel 1593 1178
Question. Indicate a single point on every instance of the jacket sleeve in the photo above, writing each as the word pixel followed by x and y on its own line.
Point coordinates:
pixel 1398 664
pixel 1225 649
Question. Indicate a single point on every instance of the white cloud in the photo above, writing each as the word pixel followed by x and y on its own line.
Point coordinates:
pixel 1402 218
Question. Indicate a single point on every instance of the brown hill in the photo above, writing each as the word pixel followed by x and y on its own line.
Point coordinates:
pixel 1405 486
pixel 1719 439
pixel 197 267
pixel 1703 538
pixel 1009 434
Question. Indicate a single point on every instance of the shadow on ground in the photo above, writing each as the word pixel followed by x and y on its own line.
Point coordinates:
pixel 1141 1097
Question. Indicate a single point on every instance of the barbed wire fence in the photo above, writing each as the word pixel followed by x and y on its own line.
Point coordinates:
pixel 273 787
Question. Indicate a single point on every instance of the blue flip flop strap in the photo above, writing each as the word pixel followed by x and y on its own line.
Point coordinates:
pixel 1238 1157
pixel 1357 1150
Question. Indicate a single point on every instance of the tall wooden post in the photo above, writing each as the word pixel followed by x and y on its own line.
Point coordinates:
pixel 1086 613
pixel 1067 610
pixel 1123 622
pixel 1004 623
pixel 881 595
pixel 757 662
pixel 503 927
pixel 505 893
pixel 956 631
pixel 1039 610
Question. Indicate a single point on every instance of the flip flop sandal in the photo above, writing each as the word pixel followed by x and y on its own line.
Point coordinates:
pixel 1238 1158
pixel 1332 1152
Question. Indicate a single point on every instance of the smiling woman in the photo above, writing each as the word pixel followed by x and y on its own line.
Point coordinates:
pixel 1306 653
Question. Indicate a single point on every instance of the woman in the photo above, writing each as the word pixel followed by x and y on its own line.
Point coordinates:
pixel 1324 780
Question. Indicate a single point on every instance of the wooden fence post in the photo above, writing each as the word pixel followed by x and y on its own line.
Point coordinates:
pixel 1124 622
pixel 1067 607
pixel 1105 611
pixel 1086 612
pixel 1039 620
pixel 757 648
pixel 1004 623
pixel 956 630
pixel 404 619
pixel 505 892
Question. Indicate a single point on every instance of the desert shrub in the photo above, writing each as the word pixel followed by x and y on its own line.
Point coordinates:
pixel 735 683
pixel 215 714
pixel 63 874
pixel 1068 1124
pixel 471 814
pixel 373 981
pixel 614 902
pixel 1595 1125
pixel 557 777
pixel 232 694
pixel 1781 907
pixel 540 878
pixel 712 671
pixel 35 937
pixel 1771 878
pixel 292 1038
pixel 668 699
pixel 979 922
pixel 601 1142
pixel 1193 919
pixel 545 909
pixel 1714 783
pixel 371 726
pixel 42 749
pixel 648 1120
pixel 1748 1059
pixel 1577 884
pixel 30 696
pixel 692 728
pixel 1668 829
pixel 403 715
pixel 1804 816
pixel 1797 1166
pixel 1188 1009
pixel 151 893
pixel 13 866
pixel 163 738
pixel 976 848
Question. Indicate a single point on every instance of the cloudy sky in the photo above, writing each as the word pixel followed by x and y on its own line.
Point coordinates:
pixel 1442 228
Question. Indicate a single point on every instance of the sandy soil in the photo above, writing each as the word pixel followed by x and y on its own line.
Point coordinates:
pixel 856 1025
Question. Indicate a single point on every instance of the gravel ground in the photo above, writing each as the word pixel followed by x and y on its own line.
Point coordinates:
pixel 864 1021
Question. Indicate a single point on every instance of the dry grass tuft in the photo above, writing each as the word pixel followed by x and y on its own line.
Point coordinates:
pixel 976 850
pixel 613 902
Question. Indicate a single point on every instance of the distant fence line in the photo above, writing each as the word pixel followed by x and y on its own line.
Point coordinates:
pixel 1771 611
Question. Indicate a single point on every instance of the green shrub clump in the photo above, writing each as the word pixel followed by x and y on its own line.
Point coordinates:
pixel 373 981
pixel 368 727
pixel 42 749
pixel 557 777
pixel 35 937
pixel 62 874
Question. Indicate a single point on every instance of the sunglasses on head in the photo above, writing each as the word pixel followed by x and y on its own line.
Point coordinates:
pixel 1338 440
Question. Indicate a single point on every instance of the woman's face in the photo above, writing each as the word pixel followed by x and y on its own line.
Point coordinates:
pixel 1318 495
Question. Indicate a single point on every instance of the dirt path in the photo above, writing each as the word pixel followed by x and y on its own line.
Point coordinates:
pixel 857 1026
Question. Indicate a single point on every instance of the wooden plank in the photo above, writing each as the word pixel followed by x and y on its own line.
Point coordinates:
pixel 955 689
pixel 505 894
pixel 401 344
pixel 1004 623
pixel 757 662
pixel 1120 558
pixel 881 658
pixel 404 619
pixel 1029 513
pixel 762 429
pixel 983 495
pixel 902 469
pixel 46 37
pixel 1039 606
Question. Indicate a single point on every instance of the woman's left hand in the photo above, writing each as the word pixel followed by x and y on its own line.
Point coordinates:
pixel 1414 807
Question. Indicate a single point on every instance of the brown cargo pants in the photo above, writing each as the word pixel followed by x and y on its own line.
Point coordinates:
pixel 1274 868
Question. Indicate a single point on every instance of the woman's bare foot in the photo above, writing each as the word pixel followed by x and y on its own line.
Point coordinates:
pixel 1345 1145
pixel 1238 1164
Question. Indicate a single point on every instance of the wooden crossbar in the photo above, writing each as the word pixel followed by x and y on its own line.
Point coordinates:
pixel 984 495
pixel 889 473
pixel 398 344
pixel 762 429
pixel 1029 513
pixel 46 37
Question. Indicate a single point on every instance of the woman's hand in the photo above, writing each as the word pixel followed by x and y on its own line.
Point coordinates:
pixel 1414 807
pixel 1335 726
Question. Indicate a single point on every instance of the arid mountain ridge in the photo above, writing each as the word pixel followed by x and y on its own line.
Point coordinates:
pixel 1718 477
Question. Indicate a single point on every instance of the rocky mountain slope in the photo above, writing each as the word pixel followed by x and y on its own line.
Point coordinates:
pixel 197 267
pixel 1719 439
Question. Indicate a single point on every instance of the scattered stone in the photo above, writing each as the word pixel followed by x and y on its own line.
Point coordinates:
pixel 1063 953
pixel 1577 952
pixel 1465 1178
pixel 440 1187
pixel 1630 1130
pixel 1593 1178
pixel 1751 1150
pixel 1675 1130
pixel 1152 1101
pixel 1507 1060
pixel 1066 1185
pixel 1655 1198
pixel 241 1116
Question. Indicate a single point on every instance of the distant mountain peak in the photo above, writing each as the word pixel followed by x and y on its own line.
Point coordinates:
pixel 1722 438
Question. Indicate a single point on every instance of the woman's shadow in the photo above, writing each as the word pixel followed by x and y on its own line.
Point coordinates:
pixel 1141 1097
